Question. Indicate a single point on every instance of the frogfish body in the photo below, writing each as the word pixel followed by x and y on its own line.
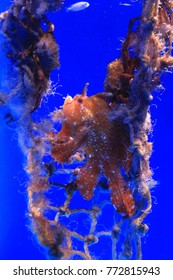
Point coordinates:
pixel 86 125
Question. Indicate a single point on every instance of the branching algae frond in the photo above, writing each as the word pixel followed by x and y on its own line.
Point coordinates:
pixel 102 151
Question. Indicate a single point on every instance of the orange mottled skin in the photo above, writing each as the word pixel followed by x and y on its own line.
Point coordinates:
pixel 87 125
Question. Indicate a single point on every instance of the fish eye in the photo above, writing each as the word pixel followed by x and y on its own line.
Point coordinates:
pixel 80 100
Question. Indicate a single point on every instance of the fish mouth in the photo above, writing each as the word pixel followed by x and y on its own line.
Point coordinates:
pixel 68 100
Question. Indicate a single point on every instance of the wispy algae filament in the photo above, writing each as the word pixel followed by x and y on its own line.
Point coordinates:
pixel 103 143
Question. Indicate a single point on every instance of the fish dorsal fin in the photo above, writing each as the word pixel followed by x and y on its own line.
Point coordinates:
pixel 85 89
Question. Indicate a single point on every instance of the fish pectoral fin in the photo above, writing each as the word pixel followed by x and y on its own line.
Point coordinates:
pixel 87 180
pixel 123 200
pixel 65 147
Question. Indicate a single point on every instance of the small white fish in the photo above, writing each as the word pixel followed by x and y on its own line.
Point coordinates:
pixel 78 6
pixel 125 4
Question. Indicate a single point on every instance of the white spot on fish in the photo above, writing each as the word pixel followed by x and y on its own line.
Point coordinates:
pixel 78 6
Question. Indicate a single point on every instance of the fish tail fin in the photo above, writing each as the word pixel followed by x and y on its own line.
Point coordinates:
pixel 67 10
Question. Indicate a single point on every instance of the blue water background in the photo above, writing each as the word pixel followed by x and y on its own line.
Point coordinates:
pixel 88 41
